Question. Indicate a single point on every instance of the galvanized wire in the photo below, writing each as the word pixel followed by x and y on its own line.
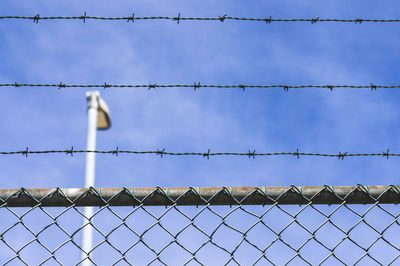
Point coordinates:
pixel 179 18
pixel 203 233
pixel 208 154
pixel 197 85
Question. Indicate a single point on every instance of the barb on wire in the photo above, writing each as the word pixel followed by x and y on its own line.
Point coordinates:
pixel 223 18
pixel 61 85
pixel 358 20
pixel 207 154
pixel 178 18
pixel 386 154
pixel 297 154
pixel 161 153
pixel 84 17
pixel 132 18
pixel 342 155
pixel 25 152
pixel 106 85
pixel 252 154
pixel 314 20
pixel 197 85
pixel 36 19
pixel 152 86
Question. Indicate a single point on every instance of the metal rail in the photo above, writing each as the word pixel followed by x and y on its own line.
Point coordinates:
pixel 294 195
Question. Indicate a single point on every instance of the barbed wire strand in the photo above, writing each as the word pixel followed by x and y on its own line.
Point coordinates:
pixel 208 154
pixel 178 19
pixel 196 85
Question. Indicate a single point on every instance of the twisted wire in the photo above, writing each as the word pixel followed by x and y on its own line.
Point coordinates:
pixel 178 18
pixel 208 154
pixel 196 85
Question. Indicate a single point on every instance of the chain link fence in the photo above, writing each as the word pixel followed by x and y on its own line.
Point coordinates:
pixel 203 226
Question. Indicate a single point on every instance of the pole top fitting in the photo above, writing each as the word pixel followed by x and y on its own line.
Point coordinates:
pixel 103 113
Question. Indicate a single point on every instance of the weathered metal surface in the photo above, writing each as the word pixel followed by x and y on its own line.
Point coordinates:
pixel 200 196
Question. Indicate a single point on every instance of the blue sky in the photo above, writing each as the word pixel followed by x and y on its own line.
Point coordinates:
pixel 183 120
pixel 162 52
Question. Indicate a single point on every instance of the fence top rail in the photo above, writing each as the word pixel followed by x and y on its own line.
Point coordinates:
pixel 292 195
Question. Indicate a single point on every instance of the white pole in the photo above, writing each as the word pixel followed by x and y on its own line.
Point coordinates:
pixel 87 234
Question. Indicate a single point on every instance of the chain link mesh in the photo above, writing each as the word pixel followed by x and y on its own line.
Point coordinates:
pixel 203 226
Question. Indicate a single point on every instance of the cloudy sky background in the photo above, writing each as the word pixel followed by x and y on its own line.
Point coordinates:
pixel 179 120
pixel 267 120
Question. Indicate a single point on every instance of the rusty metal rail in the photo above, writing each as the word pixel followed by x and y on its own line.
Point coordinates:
pixel 295 195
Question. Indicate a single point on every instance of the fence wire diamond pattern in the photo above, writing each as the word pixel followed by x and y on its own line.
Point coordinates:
pixel 203 226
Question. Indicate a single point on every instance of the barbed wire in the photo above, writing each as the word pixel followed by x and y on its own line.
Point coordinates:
pixel 197 85
pixel 178 19
pixel 208 154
